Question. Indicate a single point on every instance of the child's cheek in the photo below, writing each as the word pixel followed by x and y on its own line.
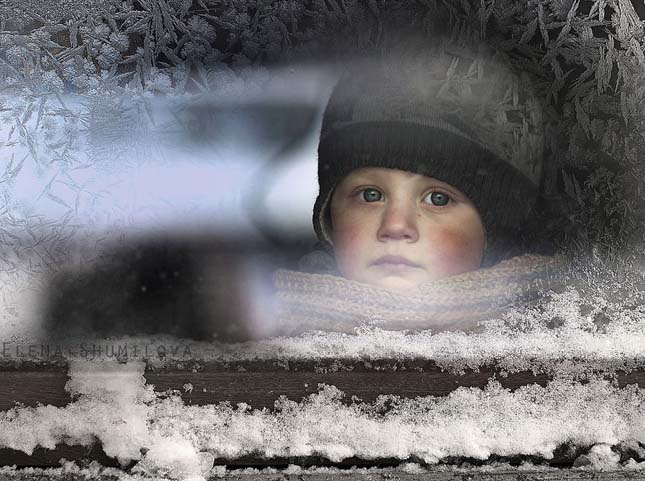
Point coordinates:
pixel 349 247
pixel 457 251
pixel 348 241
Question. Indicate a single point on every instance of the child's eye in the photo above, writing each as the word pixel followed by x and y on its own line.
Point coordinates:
pixel 437 198
pixel 372 195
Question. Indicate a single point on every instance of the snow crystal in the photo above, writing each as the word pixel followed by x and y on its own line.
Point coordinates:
pixel 470 422
pixel 174 456
pixel 600 457
pixel 110 406
pixel 413 468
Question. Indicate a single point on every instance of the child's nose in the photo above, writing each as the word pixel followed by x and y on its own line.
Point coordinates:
pixel 399 221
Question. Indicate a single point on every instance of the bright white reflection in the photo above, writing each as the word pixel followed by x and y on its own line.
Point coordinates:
pixel 181 196
pixel 290 200
pixel 179 162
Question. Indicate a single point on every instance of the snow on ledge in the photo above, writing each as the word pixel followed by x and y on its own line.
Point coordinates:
pixel 525 339
pixel 168 438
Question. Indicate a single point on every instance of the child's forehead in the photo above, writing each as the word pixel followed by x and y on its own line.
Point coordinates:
pixel 384 173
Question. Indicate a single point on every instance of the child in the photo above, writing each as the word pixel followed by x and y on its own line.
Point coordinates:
pixel 429 170
pixel 397 229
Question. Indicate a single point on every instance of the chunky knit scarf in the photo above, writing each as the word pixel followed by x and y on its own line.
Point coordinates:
pixel 332 303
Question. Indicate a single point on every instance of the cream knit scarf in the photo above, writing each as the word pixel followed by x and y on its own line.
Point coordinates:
pixel 332 303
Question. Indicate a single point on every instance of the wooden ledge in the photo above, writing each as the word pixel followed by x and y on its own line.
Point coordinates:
pixel 261 383
pixel 258 384
pixel 373 475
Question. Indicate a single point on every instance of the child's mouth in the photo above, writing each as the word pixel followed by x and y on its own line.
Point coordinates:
pixel 395 262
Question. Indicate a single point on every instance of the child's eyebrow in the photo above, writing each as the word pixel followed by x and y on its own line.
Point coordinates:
pixel 378 177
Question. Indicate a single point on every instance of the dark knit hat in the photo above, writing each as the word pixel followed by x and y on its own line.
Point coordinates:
pixel 463 118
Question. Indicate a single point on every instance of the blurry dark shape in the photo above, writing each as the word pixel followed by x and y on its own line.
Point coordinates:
pixel 265 178
pixel 280 126
pixel 191 288
pixel 194 288
pixel 261 122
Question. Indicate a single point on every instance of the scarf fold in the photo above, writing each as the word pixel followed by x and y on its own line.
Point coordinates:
pixel 327 302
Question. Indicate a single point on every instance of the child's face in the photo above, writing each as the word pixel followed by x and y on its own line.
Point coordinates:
pixel 396 229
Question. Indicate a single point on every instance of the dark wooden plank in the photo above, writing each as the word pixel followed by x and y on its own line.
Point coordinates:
pixel 43 458
pixel 20 475
pixel 635 377
pixel 465 475
pixel 258 384
pixel 261 389
pixel 462 475
pixel 33 388
pixel 385 475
